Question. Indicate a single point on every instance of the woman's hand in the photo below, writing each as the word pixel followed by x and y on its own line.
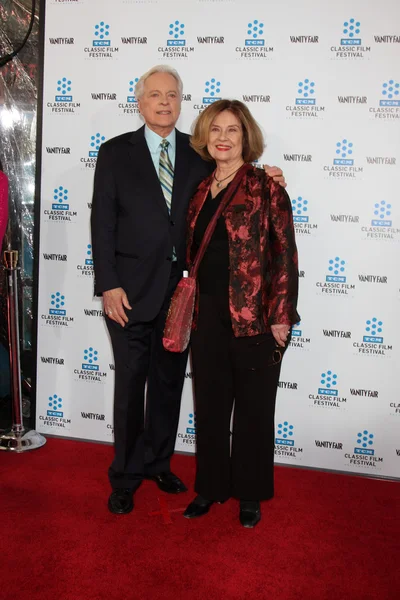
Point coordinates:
pixel 280 333
pixel 276 174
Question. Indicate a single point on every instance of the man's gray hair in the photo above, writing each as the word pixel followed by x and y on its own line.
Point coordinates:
pixel 139 87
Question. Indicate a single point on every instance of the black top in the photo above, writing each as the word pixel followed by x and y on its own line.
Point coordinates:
pixel 213 274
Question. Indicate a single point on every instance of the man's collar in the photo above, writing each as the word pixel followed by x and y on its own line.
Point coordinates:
pixel 154 140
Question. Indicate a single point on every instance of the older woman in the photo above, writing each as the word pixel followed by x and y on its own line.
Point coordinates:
pixel 248 281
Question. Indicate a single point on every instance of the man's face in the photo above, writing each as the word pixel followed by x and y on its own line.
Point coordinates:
pixel 160 104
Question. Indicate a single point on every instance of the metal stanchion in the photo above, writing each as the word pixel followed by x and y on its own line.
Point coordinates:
pixel 18 438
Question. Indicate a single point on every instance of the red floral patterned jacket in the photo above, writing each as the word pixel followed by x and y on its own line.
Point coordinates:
pixel 263 284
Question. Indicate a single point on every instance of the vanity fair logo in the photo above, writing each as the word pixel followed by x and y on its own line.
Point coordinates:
pixel 350 43
pixel 255 46
pixel 101 46
pixel 305 105
pixel 60 210
pixel 176 46
pixel 63 99
pixel 54 417
pixel 285 446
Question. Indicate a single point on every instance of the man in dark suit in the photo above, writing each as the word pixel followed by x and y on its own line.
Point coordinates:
pixel 143 183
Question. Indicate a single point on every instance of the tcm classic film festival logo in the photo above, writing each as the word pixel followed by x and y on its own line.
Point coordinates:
pixel 336 279
pixel 89 370
pixel 328 395
pixel 63 99
pixel 60 208
pixel 301 217
pixel 54 416
pixel 285 445
pixel 176 46
pixel 364 454
pixel 211 93
pixel 372 341
pixel 305 103
pixel 101 46
pixel 350 43
pixel 57 315
pixel 343 165
pixel 89 161
pixel 129 106
pixel 381 225
pixel 299 340
pixel 188 436
pixel 254 46
pixel 388 108
pixel 85 267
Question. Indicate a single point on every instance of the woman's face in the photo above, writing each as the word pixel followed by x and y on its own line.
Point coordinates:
pixel 225 138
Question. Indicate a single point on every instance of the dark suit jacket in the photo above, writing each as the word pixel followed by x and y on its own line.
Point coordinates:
pixel 132 233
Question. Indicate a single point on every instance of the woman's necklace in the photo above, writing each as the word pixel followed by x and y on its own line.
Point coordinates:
pixel 219 181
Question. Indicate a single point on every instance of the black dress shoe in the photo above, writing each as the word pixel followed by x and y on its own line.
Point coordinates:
pixel 250 513
pixel 120 501
pixel 168 482
pixel 197 508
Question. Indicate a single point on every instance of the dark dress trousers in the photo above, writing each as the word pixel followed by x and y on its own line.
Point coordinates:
pixel 133 236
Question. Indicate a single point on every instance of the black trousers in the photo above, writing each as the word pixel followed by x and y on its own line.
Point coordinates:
pixel 241 372
pixel 144 444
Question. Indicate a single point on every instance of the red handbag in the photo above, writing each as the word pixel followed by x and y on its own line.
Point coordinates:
pixel 178 325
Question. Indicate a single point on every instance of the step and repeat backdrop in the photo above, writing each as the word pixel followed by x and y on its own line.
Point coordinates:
pixel 323 81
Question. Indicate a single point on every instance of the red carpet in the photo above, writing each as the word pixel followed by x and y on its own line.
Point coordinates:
pixel 323 537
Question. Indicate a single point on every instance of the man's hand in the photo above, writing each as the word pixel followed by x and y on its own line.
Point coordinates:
pixel 276 174
pixel 114 302
pixel 280 333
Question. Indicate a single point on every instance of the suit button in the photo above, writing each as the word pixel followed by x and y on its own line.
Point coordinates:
pixel 169 258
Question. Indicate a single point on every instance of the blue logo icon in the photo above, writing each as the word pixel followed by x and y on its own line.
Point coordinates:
pixel 192 423
pixel 132 83
pixel 305 92
pixel 211 90
pixel 365 441
pixel 300 209
pixel 373 327
pixel 64 89
pixel 176 32
pixel 344 149
pixel 351 29
pixel 90 359
pixel 102 34
pixel 55 405
pixel 255 30
pixel 328 383
pixel 57 303
pixel 390 94
pixel 382 211
pixel 296 331
pixel 95 143
pixel 284 434
pixel 336 268
pixel 61 199
pixel 89 257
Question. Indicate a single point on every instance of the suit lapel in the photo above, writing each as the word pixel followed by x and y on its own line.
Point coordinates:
pixel 180 173
pixel 141 156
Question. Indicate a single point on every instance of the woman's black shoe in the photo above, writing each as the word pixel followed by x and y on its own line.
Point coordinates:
pixel 250 513
pixel 199 507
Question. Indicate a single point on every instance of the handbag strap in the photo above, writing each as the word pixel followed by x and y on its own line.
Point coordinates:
pixel 213 223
